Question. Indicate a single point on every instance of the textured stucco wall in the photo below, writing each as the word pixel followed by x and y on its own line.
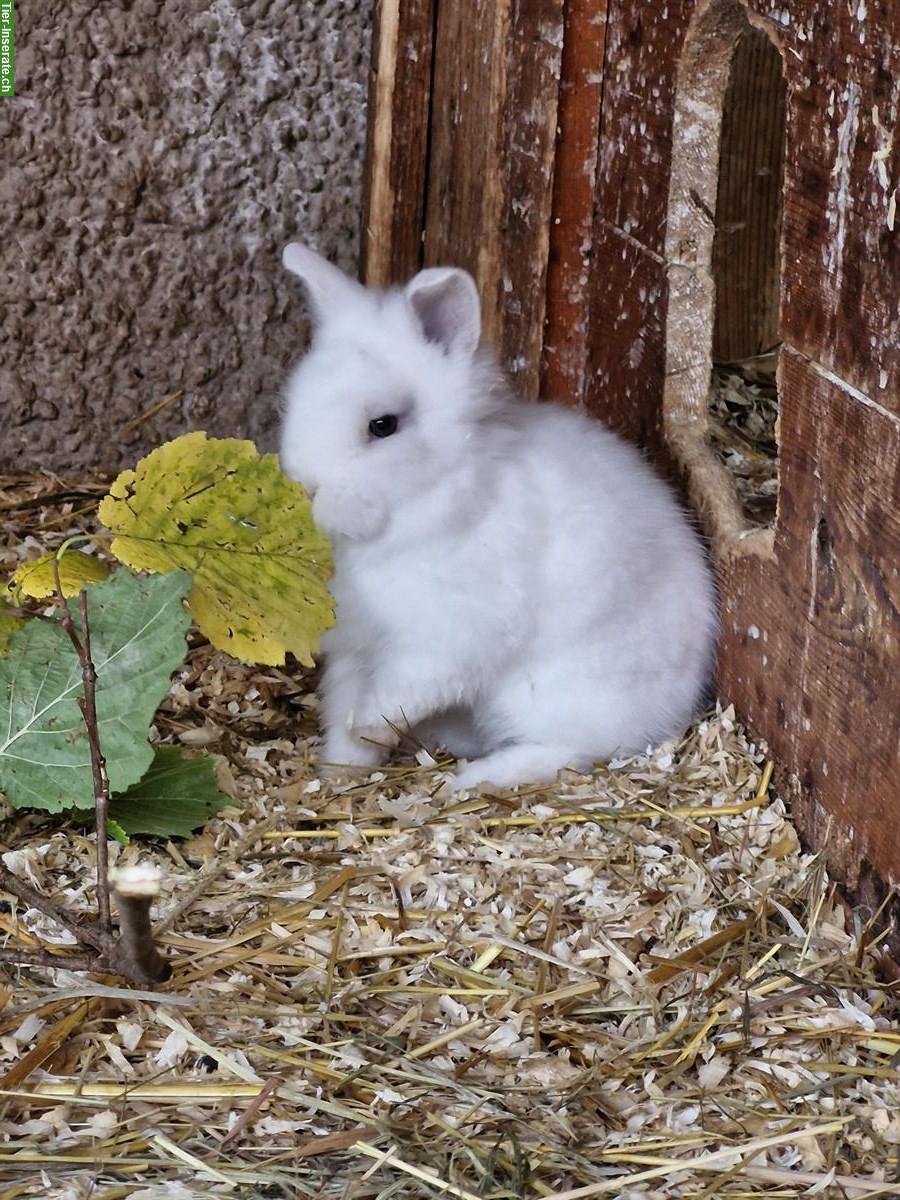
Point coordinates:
pixel 157 156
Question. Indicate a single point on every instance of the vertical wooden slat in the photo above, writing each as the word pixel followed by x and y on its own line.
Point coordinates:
pixel 464 184
pixel 574 179
pixel 397 144
pixel 493 129
pixel 628 287
pixel 811 642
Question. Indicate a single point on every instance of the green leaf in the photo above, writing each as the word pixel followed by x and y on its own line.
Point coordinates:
pixel 215 508
pixel 113 829
pixel 175 797
pixel 8 626
pixel 137 629
pixel 36 578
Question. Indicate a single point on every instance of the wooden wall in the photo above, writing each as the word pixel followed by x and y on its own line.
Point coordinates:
pixel 548 146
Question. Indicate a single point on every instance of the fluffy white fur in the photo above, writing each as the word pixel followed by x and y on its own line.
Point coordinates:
pixel 512 580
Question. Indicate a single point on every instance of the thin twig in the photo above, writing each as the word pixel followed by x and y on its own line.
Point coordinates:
pixel 133 953
pixel 251 1110
pixel 88 705
pixel 45 958
pixel 84 932
pixel 25 614
pixel 138 421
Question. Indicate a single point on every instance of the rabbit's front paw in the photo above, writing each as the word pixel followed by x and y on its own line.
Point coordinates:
pixel 378 726
pixel 342 513
pixel 343 749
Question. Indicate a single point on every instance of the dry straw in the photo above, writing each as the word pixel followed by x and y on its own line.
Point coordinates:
pixel 630 984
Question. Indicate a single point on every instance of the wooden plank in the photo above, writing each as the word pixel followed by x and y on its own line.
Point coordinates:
pixel 496 85
pixel 810 649
pixel 625 336
pixel 574 180
pixel 626 353
pixel 464 194
pixel 643 48
pixel 811 642
pixel 397 141
pixel 843 278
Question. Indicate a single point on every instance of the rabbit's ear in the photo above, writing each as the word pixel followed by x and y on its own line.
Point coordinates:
pixel 445 302
pixel 327 287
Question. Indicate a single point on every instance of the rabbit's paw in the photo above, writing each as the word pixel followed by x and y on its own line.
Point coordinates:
pixel 383 732
pixel 526 762
pixel 342 513
pixel 343 751
pixel 379 722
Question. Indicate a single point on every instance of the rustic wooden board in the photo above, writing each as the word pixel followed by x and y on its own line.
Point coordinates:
pixel 841 298
pixel 493 130
pixel 811 641
pixel 628 284
pixel 574 181
pixel 643 44
pixel 626 350
pixel 811 617
pixel 397 149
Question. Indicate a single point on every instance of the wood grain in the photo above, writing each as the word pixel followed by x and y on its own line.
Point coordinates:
pixel 397 144
pixel 811 641
pixel 840 286
pixel 810 649
pixel 493 128
pixel 574 180
pixel 628 285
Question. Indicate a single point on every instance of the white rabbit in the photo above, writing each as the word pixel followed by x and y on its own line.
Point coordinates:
pixel 512 581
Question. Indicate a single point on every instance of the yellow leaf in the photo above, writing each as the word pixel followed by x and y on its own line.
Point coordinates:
pixel 8 626
pixel 214 507
pixel 36 579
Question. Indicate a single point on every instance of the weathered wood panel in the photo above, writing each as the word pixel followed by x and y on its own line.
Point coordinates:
pixel 493 131
pixel 626 347
pixel 841 299
pixel 397 147
pixel 643 43
pixel 574 181
pixel 811 640
pixel 811 614
pixel 628 284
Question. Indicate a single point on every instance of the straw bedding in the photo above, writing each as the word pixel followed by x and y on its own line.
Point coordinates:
pixel 634 984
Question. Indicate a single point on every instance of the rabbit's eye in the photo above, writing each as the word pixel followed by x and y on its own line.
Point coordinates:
pixel 382 427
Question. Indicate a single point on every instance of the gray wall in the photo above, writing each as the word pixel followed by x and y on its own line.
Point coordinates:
pixel 156 157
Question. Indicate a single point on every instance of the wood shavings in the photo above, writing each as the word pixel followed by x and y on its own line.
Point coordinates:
pixel 743 415
pixel 631 984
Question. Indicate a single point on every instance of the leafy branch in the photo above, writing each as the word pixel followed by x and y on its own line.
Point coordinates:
pixel 218 527
pixel 132 953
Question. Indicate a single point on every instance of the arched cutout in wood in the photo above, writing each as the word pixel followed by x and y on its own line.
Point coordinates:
pixel 722 249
